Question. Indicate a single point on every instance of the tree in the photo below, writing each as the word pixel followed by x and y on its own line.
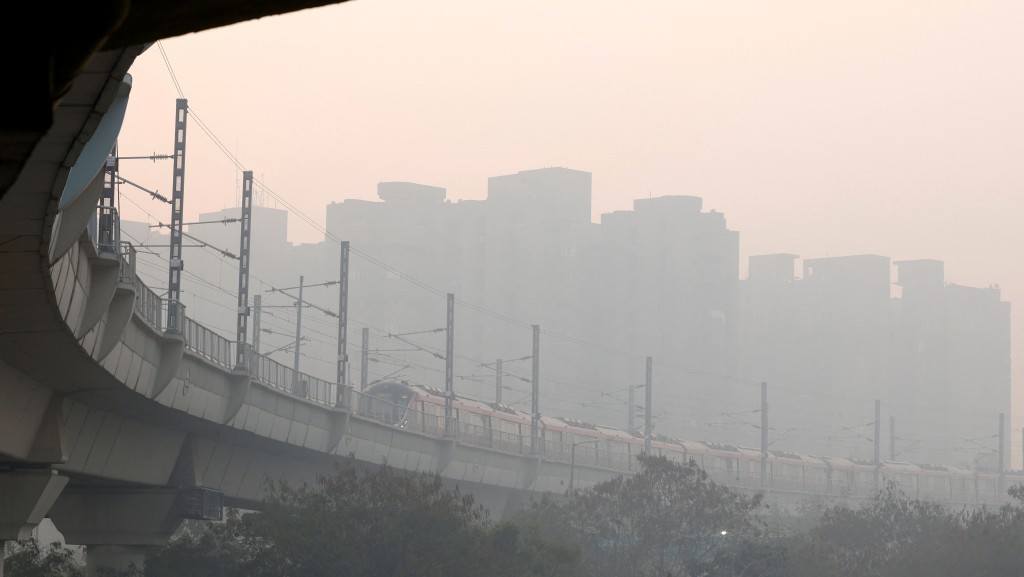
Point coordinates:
pixel 670 519
pixel 870 539
pixel 29 559
pixel 892 535
pixel 979 542
pixel 371 523
pixel 202 550
pixel 661 524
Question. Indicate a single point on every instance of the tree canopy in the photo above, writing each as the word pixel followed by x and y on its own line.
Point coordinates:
pixel 670 519
pixel 380 523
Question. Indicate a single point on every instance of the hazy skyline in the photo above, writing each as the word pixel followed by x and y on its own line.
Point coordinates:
pixel 816 128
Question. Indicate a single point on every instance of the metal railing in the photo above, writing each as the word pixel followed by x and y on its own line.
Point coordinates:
pixel 105 230
pixel 174 316
pixel 149 305
pixel 128 263
pixel 169 316
pixel 282 377
pixel 208 344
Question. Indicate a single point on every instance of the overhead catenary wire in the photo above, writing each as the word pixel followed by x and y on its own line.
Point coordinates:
pixel 431 289
pixel 517 322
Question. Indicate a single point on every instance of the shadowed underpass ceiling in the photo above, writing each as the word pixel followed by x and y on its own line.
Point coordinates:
pixel 48 43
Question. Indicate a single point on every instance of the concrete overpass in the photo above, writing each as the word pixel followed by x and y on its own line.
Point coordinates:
pixel 115 418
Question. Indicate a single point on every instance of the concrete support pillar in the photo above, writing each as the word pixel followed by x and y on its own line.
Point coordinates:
pixel 26 496
pixel 118 525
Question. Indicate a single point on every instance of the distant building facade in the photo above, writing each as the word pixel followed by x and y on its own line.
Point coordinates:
pixel 660 280
pixel 832 342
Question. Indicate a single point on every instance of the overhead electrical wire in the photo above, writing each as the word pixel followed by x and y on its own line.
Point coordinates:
pixel 480 309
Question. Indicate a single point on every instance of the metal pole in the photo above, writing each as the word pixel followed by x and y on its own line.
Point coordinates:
pixel 449 367
pixel 245 237
pixel 647 407
pixel 176 264
pixel 497 381
pixel 572 467
pixel 878 434
pixel 256 310
pixel 364 366
pixel 298 337
pixel 343 323
pixel 1002 448
pixel 892 437
pixel 535 394
pixel 631 420
pixel 764 434
pixel 107 228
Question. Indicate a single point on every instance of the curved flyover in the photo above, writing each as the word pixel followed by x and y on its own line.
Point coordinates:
pixel 116 419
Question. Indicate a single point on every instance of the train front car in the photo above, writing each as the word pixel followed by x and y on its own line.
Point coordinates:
pixel 388 402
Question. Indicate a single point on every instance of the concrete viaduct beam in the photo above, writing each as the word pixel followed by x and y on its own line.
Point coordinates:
pixel 118 525
pixel 25 498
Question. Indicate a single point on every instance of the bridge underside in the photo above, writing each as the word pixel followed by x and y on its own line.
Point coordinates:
pixel 51 44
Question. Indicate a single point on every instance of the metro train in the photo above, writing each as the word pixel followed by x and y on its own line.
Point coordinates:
pixel 422 408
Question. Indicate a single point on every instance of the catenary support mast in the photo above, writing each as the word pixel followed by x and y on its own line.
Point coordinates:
pixel 878 441
pixel 497 381
pixel 296 378
pixel 176 264
pixel 764 434
pixel 257 310
pixel 647 405
pixel 244 251
pixel 631 418
pixel 364 365
pixel 342 324
pixel 892 437
pixel 535 393
pixel 449 368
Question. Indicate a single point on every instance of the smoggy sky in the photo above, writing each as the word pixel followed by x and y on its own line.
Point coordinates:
pixel 819 128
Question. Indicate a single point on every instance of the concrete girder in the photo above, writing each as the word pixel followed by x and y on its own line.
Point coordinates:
pixel 240 381
pixel 24 407
pixel 339 427
pixel 172 349
pixel 50 444
pixel 119 314
pixel 104 273
pixel 118 525
pixel 446 451
pixel 26 496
